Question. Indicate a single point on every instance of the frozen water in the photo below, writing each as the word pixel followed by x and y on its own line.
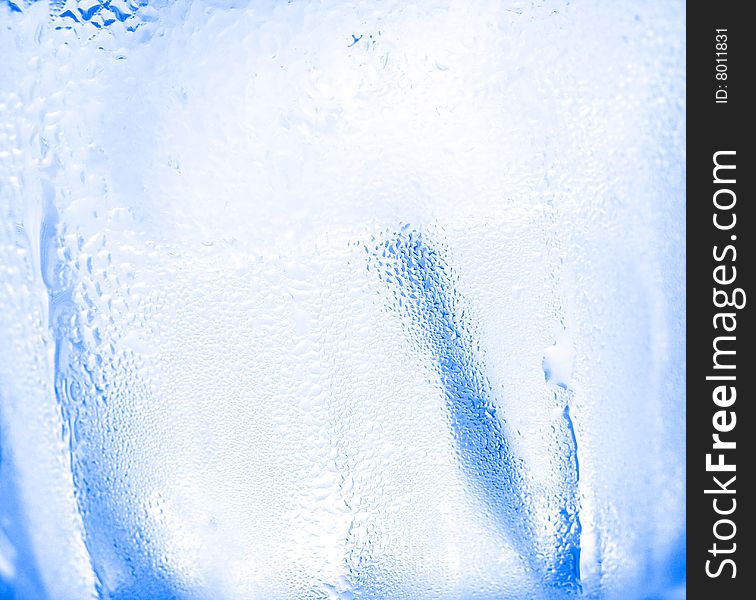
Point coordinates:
pixel 341 300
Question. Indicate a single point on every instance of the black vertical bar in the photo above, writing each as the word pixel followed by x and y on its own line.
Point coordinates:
pixel 719 105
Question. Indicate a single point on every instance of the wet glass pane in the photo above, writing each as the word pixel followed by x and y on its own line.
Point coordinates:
pixel 328 299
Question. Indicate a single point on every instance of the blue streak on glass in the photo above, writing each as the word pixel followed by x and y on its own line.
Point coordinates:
pixel 13 6
pixel 107 536
pixel 424 288
pixel 25 582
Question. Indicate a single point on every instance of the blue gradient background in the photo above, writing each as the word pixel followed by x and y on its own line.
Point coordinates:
pixel 342 300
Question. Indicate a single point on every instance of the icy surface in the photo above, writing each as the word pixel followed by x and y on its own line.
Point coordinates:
pixel 308 300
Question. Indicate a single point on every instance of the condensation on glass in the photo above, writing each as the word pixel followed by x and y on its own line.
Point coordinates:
pixel 375 300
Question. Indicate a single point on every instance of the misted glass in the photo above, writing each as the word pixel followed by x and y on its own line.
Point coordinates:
pixel 329 299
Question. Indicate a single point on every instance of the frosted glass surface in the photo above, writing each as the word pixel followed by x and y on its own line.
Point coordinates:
pixel 341 300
